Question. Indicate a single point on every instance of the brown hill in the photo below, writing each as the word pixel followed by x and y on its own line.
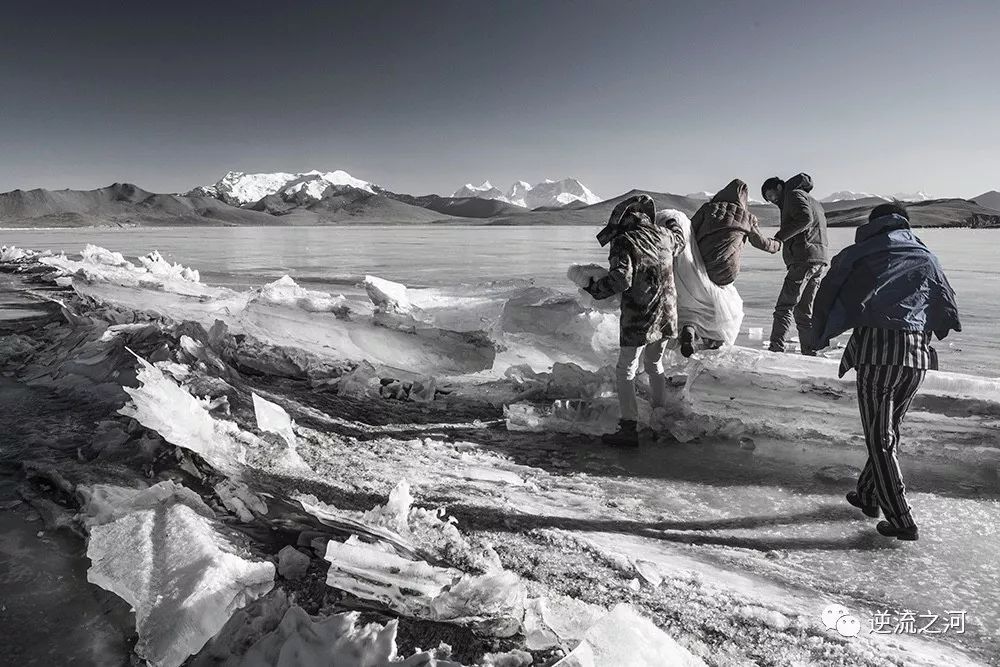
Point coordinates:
pixel 930 213
pixel 121 204
pixel 463 207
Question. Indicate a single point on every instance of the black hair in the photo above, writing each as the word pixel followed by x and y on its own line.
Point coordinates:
pixel 892 208
pixel 772 183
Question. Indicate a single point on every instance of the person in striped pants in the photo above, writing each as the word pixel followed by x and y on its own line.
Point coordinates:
pixel 890 288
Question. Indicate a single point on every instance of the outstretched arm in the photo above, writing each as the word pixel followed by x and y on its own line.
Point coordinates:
pixel 759 241
pixel 619 276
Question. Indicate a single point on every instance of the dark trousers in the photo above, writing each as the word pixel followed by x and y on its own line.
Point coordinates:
pixel 797 295
pixel 884 396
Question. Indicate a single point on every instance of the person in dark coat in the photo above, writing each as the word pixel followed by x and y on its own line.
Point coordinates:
pixel 891 290
pixel 804 248
pixel 722 226
pixel 641 270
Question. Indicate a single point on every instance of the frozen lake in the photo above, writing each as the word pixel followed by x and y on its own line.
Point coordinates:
pixel 334 258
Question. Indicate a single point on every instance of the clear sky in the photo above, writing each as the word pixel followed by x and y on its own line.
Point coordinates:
pixel 870 95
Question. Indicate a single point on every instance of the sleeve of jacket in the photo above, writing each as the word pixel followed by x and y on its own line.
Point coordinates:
pixel 944 309
pixel 619 276
pixel 759 241
pixel 798 219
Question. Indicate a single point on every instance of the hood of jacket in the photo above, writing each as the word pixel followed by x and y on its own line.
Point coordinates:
pixel 626 215
pixel 802 182
pixel 736 192
pixel 883 225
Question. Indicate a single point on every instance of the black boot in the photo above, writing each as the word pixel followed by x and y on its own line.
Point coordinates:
pixel 687 341
pixel 909 534
pixel 627 435
pixel 869 510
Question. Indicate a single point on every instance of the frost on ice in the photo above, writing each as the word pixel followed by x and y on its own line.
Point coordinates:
pixel 163 553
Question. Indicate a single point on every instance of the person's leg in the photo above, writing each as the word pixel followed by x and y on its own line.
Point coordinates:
pixel 867 495
pixel 628 366
pixel 653 364
pixel 877 390
pixel 866 483
pixel 687 339
pixel 804 306
pixel 787 298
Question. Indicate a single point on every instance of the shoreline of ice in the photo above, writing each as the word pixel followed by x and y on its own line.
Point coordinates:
pixel 530 348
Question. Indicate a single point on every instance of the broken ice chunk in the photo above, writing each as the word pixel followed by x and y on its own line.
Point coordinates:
pixel 494 602
pixel 362 382
pixel 557 620
pixel 181 576
pixel 292 563
pixel 286 292
pixel 387 296
pixel 239 499
pixel 162 405
pixel 625 639
pixel 301 640
pixel 272 418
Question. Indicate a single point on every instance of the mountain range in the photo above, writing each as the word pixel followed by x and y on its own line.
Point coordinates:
pixel 848 195
pixel 336 197
pixel 547 194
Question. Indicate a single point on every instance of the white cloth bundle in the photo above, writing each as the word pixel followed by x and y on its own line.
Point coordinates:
pixel 715 312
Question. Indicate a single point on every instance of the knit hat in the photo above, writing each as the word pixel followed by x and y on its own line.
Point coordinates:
pixel 772 183
pixel 892 208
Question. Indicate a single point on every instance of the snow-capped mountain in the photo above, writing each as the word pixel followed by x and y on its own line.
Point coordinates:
pixel 912 196
pixel 484 191
pixel 704 195
pixel 238 188
pixel 848 195
pixel 518 192
pixel 548 193
pixel 559 193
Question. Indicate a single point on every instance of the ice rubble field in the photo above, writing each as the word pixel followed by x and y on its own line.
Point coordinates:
pixel 544 356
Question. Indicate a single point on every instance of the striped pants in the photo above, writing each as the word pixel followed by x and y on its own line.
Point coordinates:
pixel 884 396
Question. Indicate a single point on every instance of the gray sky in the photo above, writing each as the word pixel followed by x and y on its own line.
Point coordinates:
pixel 876 95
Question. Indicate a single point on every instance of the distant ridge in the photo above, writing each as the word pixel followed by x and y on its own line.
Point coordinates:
pixel 120 204
pixel 316 200
pixel 989 199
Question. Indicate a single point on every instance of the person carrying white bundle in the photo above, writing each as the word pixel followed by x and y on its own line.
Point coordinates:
pixel 704 309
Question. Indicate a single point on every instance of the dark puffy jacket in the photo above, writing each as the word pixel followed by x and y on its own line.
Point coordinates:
pixel 803 224
pixel 642 271
pixel 887 280
pixel 721 227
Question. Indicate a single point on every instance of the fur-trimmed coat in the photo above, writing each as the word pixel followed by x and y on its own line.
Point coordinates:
pixel 641 262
